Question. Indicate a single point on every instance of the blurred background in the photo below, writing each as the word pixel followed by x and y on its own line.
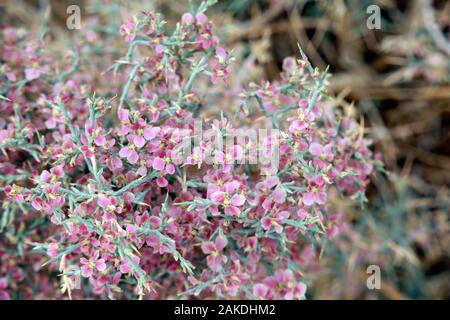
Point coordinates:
pixel 395 80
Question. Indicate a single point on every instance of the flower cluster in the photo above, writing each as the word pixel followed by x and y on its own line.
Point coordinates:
pixel 91 181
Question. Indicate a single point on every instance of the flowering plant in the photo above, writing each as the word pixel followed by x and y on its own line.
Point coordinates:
pixel 101 180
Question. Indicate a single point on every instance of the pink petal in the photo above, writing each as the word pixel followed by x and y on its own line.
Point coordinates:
pixel 279 195
pixel 238 152
pixel 214 210
pixel 45 176
pixel 283 215
pixel 315 149
pixel 302 214
pixel 201 17
pixel 133 157
pixel 321 197
pixel 267 203
pixel 138 141
pixel 150 133
pixel 232 211
pixel 116 163
pixel 214 263
pixel 260 290
pixel 278 228
pixel 220 52
pixel 309 199
pixel 36 203
pixel 86 271
pixel 3 283
pixel 100 265
pixel 231 187
pixel 50 123
pixel 142 171
pixel 123 115
pixel 266 223
pixel 300 290
pixel 162 182
pixel 103 202
pixel 170 168
pixel 100 140
pixel 187 18
pixel 159 48
pixel 218 196
pixel 221 242
pixel 272 182
pixel 208 247
pixel 158 164
pixel 32 74
pixel 124 152
pixel 155 222
pixel 125 267
pixel 237 200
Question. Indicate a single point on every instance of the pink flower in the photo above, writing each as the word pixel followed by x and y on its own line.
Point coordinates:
pixel 100 140
pixel 15 192
pixel 53 249
pixel 53 195
pixel 37 203
pixel 232 155
pixel 302 121
pixel 213 249
pixel 268 223
pixel 126 266
pixel 187 18
pixel 323 152
pixel 269 196
pixel 128 30
pixel 94 263
pixel 110 205
pixel 260 290
pixel 130 153
pixel 163 164
pixel 201 18
pixel 283 285
pixel 228 199
pixel 32 74
pixel 4 295
pixel 315 194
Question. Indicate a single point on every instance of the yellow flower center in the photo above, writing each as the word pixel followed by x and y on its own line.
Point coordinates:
pixel 226 201
pixel 301 117
pixel 16 190
pixel 291 284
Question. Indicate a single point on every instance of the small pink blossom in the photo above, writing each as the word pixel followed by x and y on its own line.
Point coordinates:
pixel 88 266
pixel 274 222
pixel 213 249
